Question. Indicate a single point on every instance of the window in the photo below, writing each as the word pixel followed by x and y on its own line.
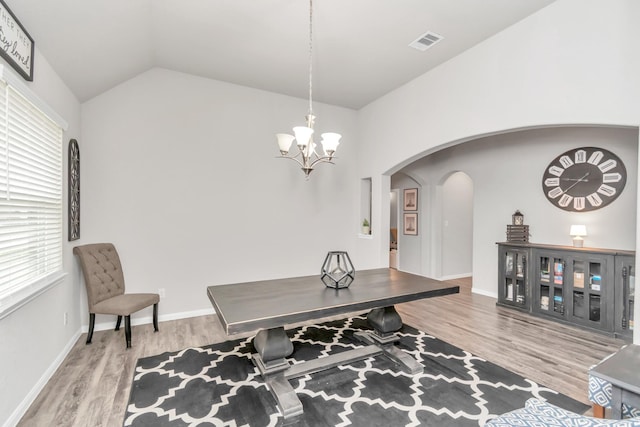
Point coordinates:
pixel 30 197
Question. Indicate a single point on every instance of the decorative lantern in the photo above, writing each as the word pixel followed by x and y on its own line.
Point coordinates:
pixel 337 270
pixel 517 218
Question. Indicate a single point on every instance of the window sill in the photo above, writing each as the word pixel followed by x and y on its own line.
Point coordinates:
pixel 365 236
pixel 14 300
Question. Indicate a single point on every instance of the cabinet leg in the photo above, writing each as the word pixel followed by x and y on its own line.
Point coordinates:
pixel 598 411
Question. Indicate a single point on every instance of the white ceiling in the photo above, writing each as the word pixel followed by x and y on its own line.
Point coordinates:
pixel 360 46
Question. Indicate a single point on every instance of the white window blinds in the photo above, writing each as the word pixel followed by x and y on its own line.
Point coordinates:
pixel 30 194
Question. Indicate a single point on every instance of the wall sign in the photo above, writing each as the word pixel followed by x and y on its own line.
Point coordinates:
pixel 16 45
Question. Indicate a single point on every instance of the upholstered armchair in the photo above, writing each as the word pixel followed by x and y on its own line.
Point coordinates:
pixel 104 280
pixel 538 413
pixel 600 396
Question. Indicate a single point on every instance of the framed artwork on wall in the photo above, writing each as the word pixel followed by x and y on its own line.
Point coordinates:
pixel 411 224
pixel 16 45
pixel 411 199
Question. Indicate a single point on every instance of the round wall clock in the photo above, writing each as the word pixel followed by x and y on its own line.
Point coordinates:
pixel 584 179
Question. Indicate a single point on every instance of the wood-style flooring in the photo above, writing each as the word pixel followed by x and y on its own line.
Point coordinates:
pixel 91 387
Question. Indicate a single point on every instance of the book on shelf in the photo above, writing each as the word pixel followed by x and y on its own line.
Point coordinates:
pixel 557 273
pixel 578 280
pixel 544 303
pixel 509 264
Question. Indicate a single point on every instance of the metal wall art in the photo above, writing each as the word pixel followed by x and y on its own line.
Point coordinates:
pixel 74 190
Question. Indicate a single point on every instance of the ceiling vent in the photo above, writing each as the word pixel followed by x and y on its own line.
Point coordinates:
pixel 425 41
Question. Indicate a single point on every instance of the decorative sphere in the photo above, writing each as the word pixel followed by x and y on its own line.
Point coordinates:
pixel 337 270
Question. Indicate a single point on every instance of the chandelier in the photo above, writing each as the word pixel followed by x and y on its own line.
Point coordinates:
pixel 307 156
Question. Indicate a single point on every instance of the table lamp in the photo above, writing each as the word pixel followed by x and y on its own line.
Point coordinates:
pixel 577 231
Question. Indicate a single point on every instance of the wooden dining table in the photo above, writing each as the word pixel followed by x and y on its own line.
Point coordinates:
pixel 269 306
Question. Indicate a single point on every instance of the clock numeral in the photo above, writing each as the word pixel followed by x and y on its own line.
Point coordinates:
pixel 566 161
pixel 594 199
pixel 578 203
pixel 552 182
pixel 608 165
pixel 556 170
pixel 555 192
pixel 607 190
pixel 611 177
pixel 581 156
pixel 595 158
pixel 565 200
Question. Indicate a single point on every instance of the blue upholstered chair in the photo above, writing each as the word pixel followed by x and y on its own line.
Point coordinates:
pixel 538 413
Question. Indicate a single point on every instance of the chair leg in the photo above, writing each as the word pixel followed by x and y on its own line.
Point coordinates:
pixel 598 411
pixel 127 330
pixel 92 322
pixel 155 317
pixel 118 323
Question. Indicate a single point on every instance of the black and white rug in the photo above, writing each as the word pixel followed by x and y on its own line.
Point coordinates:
pixel 218 385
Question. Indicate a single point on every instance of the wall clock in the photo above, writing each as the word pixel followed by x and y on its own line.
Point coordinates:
pixel 584 179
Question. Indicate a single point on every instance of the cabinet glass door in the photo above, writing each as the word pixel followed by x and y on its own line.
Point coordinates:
pixel 591 290
pixel 513 283
pixel 550 282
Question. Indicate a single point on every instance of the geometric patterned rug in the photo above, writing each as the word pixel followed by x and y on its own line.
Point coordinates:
pixel 218 385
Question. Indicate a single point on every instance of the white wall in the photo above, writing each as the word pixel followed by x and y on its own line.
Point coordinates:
pixel 551 68
pixel 456 247
pixel 34 338
pixel 179 172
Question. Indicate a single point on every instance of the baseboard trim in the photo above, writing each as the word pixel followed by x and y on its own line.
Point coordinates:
pixel 135 321
pixel 22 408
pixel 456 276
pixel 485 293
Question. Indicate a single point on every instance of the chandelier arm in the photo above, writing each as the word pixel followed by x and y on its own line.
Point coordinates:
pixel 294 159
pixel 324 159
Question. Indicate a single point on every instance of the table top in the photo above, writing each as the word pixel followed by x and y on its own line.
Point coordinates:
pixel 245 307
pixel 622 369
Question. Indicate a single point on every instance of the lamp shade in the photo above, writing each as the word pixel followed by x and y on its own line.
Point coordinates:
pixel 303 135
pixel 578 230
pixel 330 142
pixel 284 142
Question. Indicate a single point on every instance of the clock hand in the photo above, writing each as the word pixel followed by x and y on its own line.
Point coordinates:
pixel 574 179
pixel 578 182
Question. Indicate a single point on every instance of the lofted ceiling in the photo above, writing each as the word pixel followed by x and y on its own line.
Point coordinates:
pixel 360 49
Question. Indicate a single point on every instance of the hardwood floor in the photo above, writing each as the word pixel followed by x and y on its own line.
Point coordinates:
pixel 91 387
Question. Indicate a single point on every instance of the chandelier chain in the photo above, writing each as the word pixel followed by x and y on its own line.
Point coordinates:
pixel 310 63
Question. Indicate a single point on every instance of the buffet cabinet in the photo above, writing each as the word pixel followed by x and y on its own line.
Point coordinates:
pixel 588 287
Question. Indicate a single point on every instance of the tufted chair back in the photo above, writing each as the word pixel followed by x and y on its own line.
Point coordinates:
pixel 102 271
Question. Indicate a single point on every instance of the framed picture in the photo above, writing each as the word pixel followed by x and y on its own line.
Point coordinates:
pixel 411 224
pixel 16 45
pixel 411 199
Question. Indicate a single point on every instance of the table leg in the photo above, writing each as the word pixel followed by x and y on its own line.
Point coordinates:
pixel 386 322
pixel 616 402
pixel 272 347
